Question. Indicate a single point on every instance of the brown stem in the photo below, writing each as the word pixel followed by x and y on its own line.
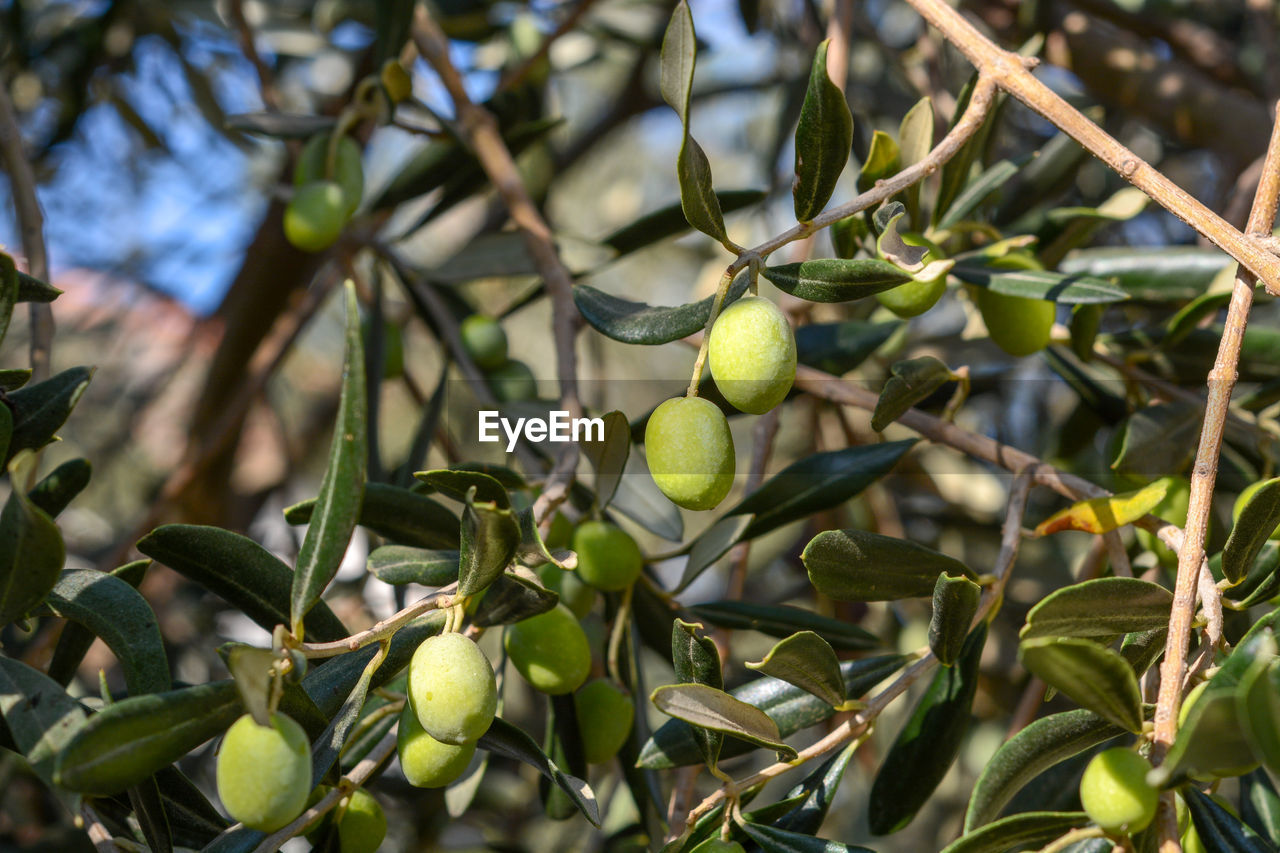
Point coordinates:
pixel 438 600
pixel 517 75
pixel 244 34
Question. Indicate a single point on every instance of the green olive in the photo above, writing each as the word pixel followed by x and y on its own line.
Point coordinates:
pixel 1115 793
pixel 513 382
pixel 452 688
pixel 348 170
pixel 608 558
pixel 914 297
pixel 550 650
pixel 485 341
pixel 264 772
pixel 716 845
pixel 752 353
pixel 574 594
pixel 605 714
pixel 690 452
pixel 315 216
pixel 1016 325
pixel 425 761
pixel 362 824
pixel 1249 491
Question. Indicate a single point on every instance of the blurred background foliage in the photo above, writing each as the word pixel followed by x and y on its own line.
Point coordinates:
pixel 163 199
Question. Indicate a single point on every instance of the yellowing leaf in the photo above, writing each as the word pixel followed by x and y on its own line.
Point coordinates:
pixel 1102 515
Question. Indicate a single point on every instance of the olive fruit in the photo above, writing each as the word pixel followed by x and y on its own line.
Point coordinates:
pixel 913 298
pixel 690 452
pixel 264 772
pixel 752 353
pixel 362 824
pixel 608 558
pixel 605 713
pixel 452 688
pixel 1016 325
pixel 484 341
pixel 513 382
pixel 348 170
pixel 550 650
pixel 574 594
pixel 1245 495
pixel 717 845
pixel 315 215
pixel 425 761
pixel 1115 793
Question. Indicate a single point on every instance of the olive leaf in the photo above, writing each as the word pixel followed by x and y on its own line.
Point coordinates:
pixel 608 455
pixel 807 661
pixel 402 564
pixel 955 603
pixel 1027 830
pixel 32 552
pixel 1258 519
pixel 910 382
pixel 836 279
pixel 782 620
pixel 38 713
pixel 707 708
pixel 490 537
pixel 824 138
pixel 857 565
pixel 638 323
pixel 697 661
pixel 397 514
pixel 881 162
pixel 1093 676
pixel 1104 514
pixel 1103 607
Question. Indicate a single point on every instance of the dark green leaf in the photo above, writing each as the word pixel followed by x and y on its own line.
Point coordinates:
pixel 697 194
pixel 881 162
pixel 1260 805
pixel 911 381
pixel 253 671
pixel 824 138
pixel 1219 830
pixel 706 707
pixel 837 348
pixel 857 565
pixel 1018 832
pixel 456 482
pixel 638 323
pixel 677 60
pixel 32 289
pixel 807 661
pixel 818 791
pixel 956 171
pixel 149 807
pixel 639 499
pixel 397 514
pixel 782 620
pixel 325 749
pixel 490 537
pixel 1166 273
pixel 510 599
pixel 1042 744
pixel 1040 284
pixel 75 639
pixel 1191 316
pixel 12 379
pixel 38 713
pixel 836 279
pixel 342 490
pixel 1102 607
pixel 1093 676
pixel 509 741
pixel 329 685
pixel 116 612
pixel 712 544
pixel 608 455
pixel 39 410
pixel 280 125
pixel 955 603
pixel 1086 320
pixel 31 549
pixel 928 743
pixel 1258 710
pixel 1159 439
pixel 978 190
pixel 774 840
pixel 240 571
pixel 401 564
pixel 697 661
pixel 1257 521
pixel 8 291
pixel 53 493
pixel 670 221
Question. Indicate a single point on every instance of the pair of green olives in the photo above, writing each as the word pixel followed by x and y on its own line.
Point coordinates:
pixel 486 343
pixel 323 202
pixel 453 697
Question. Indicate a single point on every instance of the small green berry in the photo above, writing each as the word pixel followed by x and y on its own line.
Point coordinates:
pixel 574 594
pixel 1016 325
pixel 550 651
pixel 315 216
pixel 485 341
pixel 608 558
pixel 452 688
pixel 1115 793
pixel 425 761
pixel 348 171
pixel 752 353
pixel 690 452
pixel 264 772
pixel 513 382
pixel 605 714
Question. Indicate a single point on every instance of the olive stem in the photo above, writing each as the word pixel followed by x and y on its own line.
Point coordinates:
pixel 621 622
pixel 98 832
pixel 441 599
pixel 726 281
pixel 1075 835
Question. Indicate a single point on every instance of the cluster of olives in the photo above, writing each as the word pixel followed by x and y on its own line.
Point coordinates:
pixel 486 343
pixel 752 354
pixel 323 201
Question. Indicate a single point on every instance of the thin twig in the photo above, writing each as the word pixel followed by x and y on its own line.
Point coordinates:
pixel 98 832
pixel 518 74
pixel 438 600
pixel 249 47
pixel 1204 472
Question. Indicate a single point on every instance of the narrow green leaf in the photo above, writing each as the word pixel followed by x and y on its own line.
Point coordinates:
pixel 697 193
pixel 1018 832
pixel 131 739
pixel 783 620
pixel 881 162
pixel 456 483
pixel 774 840
pixel 915 140
pixel 1220 831
pixel 712 544
pixel 396 514
pixel 116 612
pixel 1260 805
pixel 510 599
pixel 1163 274
pixel 955 603
pixel 490 537
pixel 342 490
pixel 39 410
pixel 955 173
pixel 1258 709
pixel 75 640
pixel 835 279
pixel 252 670
pixel 149 808
pixel 1040 284
pixel 807 661
pixel 38 713
pixel 401 564
pixel 676 61
pixel 8 291
pixel 638 323
pixel 824 138
pixel 1093 676
pixel 978 190
pixel 608 455
pixel 32 289
pixel 1102 607
pixel 239 570
pixel 929 742
pixel 837 348
pixel 818 790
pixel 325 749
pixel 1256 522
pixel 697 661
pixel 60 486
pixel 1086 321
pixel 856 565
pixel 31 549
pixel 507 740
pixel 1042 744
pixel 11 379
pixel 639 499
pixel 910 382
pixel 708 708
pixel 669 221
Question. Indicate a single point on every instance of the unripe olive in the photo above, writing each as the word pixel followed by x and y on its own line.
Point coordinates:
pixel 550 650
pixel 690 452
pixel 264 772
pixel 1016 325
pixel 513 382
pixel 1249 492
pixel 1115 793
pixel 484 341
pixel 315 216
pixel 362 824
pixel 605 714
pixel 752 353
pixel 716 845
pixel 914 297
pixel 425 761
pixel 608 558
pixel 574 594
pixel 348 170
pixel 452 688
